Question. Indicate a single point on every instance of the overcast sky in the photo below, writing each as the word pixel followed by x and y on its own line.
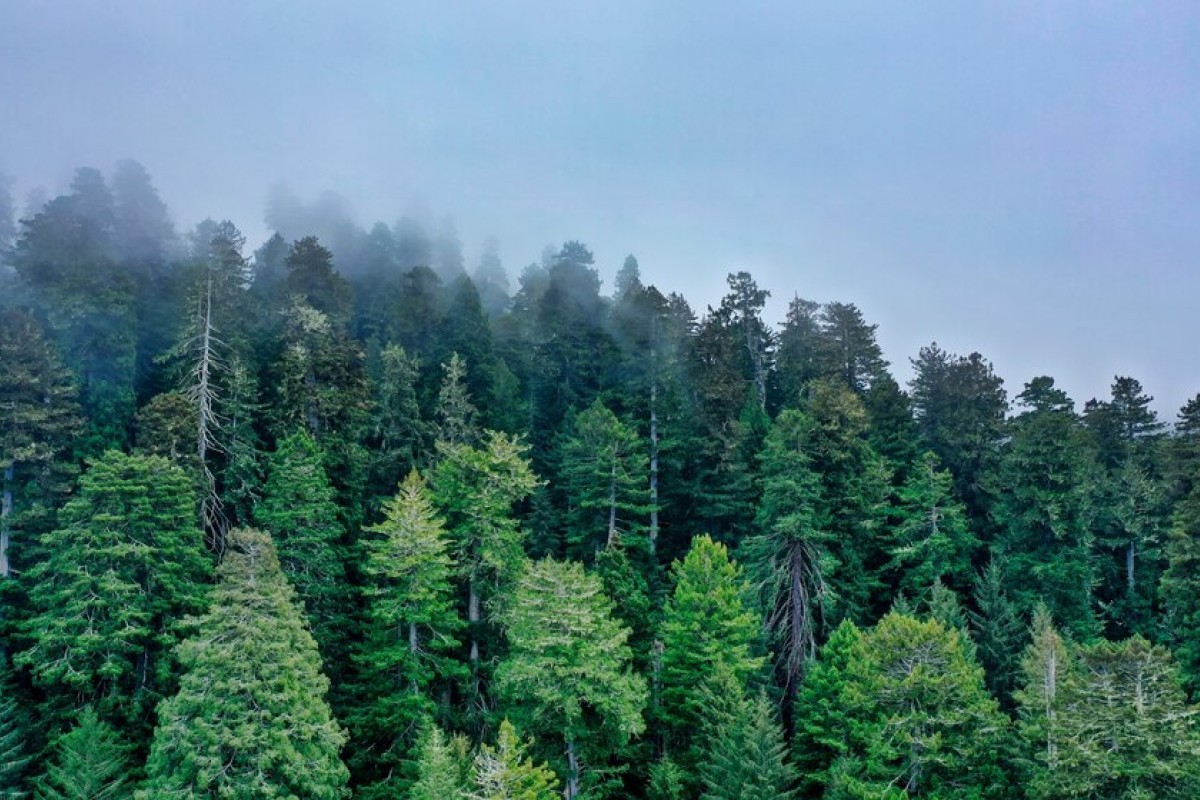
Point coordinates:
pixel 1018 178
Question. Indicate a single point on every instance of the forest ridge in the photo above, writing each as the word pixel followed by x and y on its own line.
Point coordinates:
pixel 342 517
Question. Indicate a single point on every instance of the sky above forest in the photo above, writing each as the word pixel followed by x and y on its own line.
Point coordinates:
pixel 1020 178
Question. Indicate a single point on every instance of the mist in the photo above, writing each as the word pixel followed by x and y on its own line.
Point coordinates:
pixel 1019 180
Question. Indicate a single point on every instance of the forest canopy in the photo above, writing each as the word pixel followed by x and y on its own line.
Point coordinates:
pixel 346 515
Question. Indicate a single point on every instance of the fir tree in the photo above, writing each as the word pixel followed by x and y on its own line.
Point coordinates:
pixel 14 756
pixel 443 768
pixel 707 628
pixel 299 512
pixel 412 626
pixel 90 763
pixel 744 757
pixel 567 675
pixel 250 718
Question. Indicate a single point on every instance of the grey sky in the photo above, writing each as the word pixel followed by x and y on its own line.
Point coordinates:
pixel 1020 178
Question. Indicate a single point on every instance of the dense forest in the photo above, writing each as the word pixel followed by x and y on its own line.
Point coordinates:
pixel 346 515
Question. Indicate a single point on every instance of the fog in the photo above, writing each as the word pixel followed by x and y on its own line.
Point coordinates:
pixel 1021 179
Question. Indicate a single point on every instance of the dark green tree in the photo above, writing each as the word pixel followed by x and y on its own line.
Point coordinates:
pixel 250 718
pixel 744 757
pixel 91 762
pixel 504 772
pixel 846 350
pixel 298 510
pixel 14 735
pixel 121 573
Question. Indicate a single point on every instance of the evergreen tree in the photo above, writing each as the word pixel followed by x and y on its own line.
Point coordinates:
pixel 920 719
pixel 299 512
pixel 1180 590
pixel 996 627
pixel 443 768
pixel 14 756
pixel 823 720
pixel 744 755
pixel 932 539
pixel 846 349
pixel 1044 509
pixel 399 436
pixel 412 627
pixel 707 628
pixel 90 763
pixel 797 358
pixel 456 414
pixel 312 279
pixel 1045 665
pixel 122 571
pixel 603 469
pixel 40 421
pixel 504 772
pixel 567 675
pixel 250 718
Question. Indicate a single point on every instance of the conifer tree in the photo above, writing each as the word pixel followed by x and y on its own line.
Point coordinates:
pixel 603 469
pixel 707 628
pixel 443 768
pixel 412 627
pixel 456 414
pixel 122 572
pixel 14 754
pixel 91 762
pixel 250 718
pixel 1180 590
pixel 298 510
pixel 932 540
pixel 823 720
pixel 997 628
pixel 567 677
pixel 1045 666
pixel 399 437
pixel 744 757
pixel 504 772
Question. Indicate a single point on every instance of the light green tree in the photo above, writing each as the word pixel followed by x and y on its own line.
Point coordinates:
pixel 504 772
pixel 567 676
pixel 250 718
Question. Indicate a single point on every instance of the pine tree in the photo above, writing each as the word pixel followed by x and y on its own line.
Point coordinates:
pixel 997 628
pixel 298 510
pixel 456 413
pixel 90 763
pixel 250 718
pixel 504 772
pixel 412 627
pixel 707 628
pixel 567 675
pixel 122 572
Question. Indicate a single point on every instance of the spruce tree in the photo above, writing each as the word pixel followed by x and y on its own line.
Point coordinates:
pixel 14 754
pixel 998 630
pixel 744 757
pixel 567 676
pixel 91 762
pixel 250 718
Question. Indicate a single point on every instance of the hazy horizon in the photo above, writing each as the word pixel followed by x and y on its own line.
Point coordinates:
pixel 1008 178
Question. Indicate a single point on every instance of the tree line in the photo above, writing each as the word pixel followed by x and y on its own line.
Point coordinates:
pixel 315 521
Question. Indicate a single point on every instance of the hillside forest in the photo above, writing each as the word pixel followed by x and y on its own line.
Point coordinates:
pixel 343 515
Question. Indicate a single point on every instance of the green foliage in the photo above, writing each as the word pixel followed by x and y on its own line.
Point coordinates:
pixel 412 626
pixel 604 475
pixel 456 414
pixel 123 570
pixel 443 767
pixel 916 716
pixel 1117 726
pixel 933 541
pixel 567 675
pixel 90 763
pixel 707 628
pixel 504 772
pixel 997 628
pixel 298 510
pixel 14 756
pixel 1180 590
pixel 250 718
pixel 743 756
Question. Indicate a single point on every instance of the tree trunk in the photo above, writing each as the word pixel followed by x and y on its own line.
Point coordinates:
pixel 612 504
pixel 653 470
pixel 6 505
pixel 571 791
pixel 473 622
pixel 414 648
pixel 1130 561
